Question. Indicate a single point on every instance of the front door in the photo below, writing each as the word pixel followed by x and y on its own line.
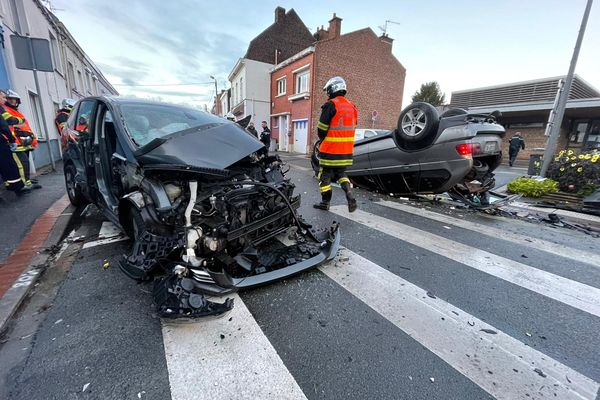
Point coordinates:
pixel 301 136
pixel 283 133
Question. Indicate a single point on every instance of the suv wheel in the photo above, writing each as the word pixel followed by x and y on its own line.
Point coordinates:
pixel 73 191
pixel 417 122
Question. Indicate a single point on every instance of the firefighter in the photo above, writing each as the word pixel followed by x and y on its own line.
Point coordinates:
pixel 336 131
pixel 8 168
pixel 63 114
pixel 25 139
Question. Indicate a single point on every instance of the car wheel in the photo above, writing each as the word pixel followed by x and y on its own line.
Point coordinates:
pixel 417 122
pixel 314 158
pixel 134 224
pixel 73 191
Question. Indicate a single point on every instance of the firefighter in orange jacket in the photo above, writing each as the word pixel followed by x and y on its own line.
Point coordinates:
pixel 25 139
pixel 336 130
pixel 8 168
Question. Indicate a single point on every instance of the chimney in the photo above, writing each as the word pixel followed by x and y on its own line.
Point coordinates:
pixel 279 14
pixel 386 39
pixel 321 33
pixel 335 27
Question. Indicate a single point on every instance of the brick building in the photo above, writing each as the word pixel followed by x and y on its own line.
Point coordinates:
pixel 375 80
pixel 526 106
pixel 250 77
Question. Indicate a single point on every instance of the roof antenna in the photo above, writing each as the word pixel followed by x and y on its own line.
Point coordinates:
pixel 384 28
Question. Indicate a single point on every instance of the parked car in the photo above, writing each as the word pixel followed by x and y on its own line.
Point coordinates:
pixel 207 209
pixel 427 153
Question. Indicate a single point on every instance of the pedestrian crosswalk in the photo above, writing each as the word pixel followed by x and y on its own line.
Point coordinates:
pixel 235 357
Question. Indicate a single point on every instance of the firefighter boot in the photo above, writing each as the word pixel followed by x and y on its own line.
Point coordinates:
pixel 325 199
pixel 349 196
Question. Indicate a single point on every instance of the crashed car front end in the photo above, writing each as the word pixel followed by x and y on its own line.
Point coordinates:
pixel 213 231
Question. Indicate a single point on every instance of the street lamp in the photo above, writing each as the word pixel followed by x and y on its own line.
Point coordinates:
pixel 216 92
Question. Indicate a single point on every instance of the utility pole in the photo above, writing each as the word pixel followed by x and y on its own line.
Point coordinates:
pixel 559 109
pixel 216 92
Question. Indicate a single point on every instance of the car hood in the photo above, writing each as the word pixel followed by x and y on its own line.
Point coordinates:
pixel 214 146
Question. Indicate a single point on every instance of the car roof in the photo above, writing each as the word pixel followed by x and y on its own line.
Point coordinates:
pixel 120 100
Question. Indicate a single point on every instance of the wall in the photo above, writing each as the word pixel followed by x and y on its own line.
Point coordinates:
pixel 375 78
pixel 534 138
pixel 257 93
pixel 298 109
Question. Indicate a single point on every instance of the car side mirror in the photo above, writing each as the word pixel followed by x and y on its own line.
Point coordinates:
pixel 496 114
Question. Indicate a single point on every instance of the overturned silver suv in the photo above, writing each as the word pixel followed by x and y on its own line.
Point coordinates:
pixel 208 209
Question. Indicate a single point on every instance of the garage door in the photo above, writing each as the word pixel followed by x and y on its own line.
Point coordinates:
pixel 301 136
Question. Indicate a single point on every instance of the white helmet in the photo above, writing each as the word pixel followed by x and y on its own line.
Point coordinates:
pixel 67 103
pixel 334 85
pixel 11 94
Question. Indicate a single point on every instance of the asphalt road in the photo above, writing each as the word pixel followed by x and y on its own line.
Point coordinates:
pixel 423 302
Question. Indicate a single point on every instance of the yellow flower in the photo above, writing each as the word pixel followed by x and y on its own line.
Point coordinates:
pixel 579 169
pixel 556 159
pixel 573 158
pixel 570 152
pixel 595 158
pixel 573 165
pixel 581 156
pixel 588 156
pixel 562 169
pixel 561 153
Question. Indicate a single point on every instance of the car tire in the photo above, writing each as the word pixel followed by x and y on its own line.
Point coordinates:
pixel 134 224
pixel 417 122
pixel 73 191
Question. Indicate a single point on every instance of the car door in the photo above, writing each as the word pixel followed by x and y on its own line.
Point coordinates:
pixel 398 170
pixel 109 162
pixel 78 129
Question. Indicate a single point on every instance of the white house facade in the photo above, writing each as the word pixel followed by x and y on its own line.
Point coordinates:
pixel 75 75
pixel 250 90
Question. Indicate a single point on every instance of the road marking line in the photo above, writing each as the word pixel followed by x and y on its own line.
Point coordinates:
pixel 575 294
pixel 108 230
pixel 457 337
pixel 539 244
pixel 104 241
pixel 242 365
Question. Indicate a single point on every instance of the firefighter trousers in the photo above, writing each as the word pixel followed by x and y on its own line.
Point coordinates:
pixel 8 168
pixel 332 174
pixel 22 160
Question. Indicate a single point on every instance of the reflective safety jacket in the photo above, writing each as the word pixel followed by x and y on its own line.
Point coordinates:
pixel 22 132
pixel 61 119
pixel 338 145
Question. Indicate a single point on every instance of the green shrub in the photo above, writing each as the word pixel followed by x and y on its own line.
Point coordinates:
pixel 530 187
pixel 575 173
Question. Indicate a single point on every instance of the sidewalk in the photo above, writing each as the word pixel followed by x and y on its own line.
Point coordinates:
pixel 18 214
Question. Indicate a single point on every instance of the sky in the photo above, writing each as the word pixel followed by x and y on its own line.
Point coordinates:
pixel 175 46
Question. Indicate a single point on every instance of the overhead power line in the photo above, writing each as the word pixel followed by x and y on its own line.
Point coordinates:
pixel 164 84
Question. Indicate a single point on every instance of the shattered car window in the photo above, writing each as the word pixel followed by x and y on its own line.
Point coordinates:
pixel 146 122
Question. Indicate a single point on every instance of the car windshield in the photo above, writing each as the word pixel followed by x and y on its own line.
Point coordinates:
pixel 146 122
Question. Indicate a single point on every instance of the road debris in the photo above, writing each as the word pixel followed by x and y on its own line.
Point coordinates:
pixel 490 331
pixel 86 386
pixel 429 294
pixel 432 379
pixel 58 321
pixel 540 372
pixel 528 334
pixel 471 323
pixel 105 264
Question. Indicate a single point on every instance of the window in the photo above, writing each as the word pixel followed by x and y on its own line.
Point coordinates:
pixel 71 75
pixel 281 83
pixel 80 81
pixel 579 132
pixel 237 93
pixel 241 89
pixel 15 15
pixel 84 116
pixel 34 102
pixel 89 82
pixel 593 139
pixel 302 79
pixel 54 49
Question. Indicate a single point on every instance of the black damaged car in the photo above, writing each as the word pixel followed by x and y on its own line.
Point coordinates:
pixel 208 210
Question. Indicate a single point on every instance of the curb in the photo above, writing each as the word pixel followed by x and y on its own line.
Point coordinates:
pixel 30 260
